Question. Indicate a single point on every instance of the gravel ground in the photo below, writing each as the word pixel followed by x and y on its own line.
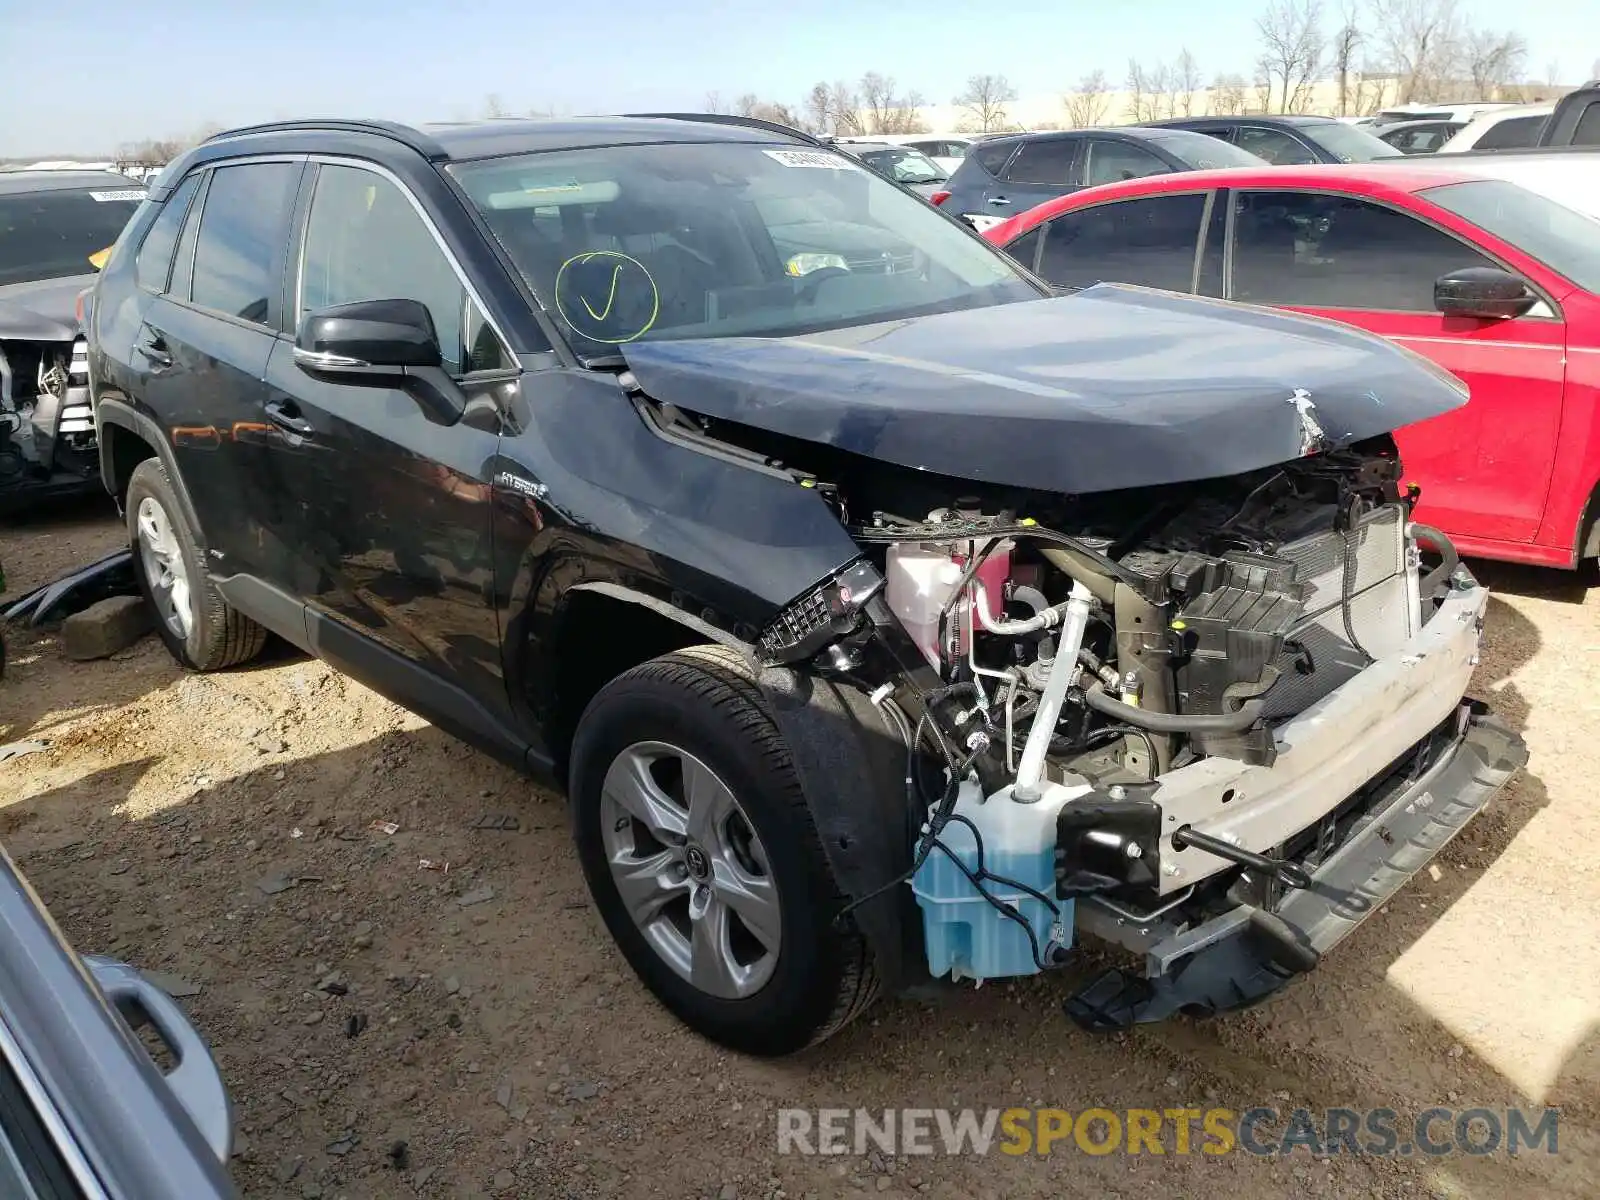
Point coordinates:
pixel 218 828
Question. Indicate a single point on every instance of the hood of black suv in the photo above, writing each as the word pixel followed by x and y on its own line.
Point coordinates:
pixel 1113 387
pixel 43 310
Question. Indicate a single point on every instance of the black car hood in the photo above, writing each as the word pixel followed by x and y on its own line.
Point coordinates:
pixel 42 311
pixel 1113 387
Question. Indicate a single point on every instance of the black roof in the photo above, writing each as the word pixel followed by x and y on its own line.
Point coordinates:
pixel 14 183
pixel 492 138
pixel 1268 121
pixel 1141 133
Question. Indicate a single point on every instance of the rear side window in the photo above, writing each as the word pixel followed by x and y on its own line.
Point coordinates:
pixel 1588 131
pixel 1510 134
pixel 153 267
pixel 1149 241
pixel 1047 162
pixel 1112 162
pixel 1277 148
pixel 239 255
pixel 366 241
pixel 1026 248
pixel 992 158
pixel 1339 252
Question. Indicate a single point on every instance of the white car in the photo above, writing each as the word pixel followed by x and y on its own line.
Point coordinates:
pixel 1438 112
pixel 1501 129
pixel 946 150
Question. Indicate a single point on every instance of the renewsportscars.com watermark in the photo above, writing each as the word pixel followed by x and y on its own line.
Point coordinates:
pixel 1212 1131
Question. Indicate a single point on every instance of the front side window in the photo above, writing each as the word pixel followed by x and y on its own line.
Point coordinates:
pixel 366 241
pixel 993 158
pixel 1587 132
pixel 1276 147
pixel 51 234
pixel 1150 241
pixel 1047 162
pixel 153 266
pixel 1317 251
pixel 726 239
pixel 1551 228
pixel 238 255
pixel 1111 162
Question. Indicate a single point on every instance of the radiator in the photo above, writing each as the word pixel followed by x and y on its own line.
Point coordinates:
pixel 1320 654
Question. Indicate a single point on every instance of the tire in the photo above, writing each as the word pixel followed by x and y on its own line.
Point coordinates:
pixel 214 636
pixel 700 709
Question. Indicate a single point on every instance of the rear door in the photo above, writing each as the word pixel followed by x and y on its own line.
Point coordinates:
pixel 1117 160
pixel 1041 169
pixel 1484 468
pixel 203 345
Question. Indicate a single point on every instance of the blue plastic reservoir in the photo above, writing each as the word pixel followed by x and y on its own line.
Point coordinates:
pixel 966 936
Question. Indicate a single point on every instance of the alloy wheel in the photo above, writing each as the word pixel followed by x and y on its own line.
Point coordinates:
pixel 164 568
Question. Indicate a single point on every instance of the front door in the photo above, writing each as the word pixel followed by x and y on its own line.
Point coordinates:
pixel 1484 469
pixel 1041 170
pixel 390 509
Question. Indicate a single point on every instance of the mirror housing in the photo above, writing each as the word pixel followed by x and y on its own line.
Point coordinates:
pixel 1487 293
pixel 368 336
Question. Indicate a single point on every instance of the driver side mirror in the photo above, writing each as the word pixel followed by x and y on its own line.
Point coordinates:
pixel 385 343
pixel 1487 293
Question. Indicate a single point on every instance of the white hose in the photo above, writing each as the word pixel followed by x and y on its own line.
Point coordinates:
pixel 1042 619
pixel 1062 672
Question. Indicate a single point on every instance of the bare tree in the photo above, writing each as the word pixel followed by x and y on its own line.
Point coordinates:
pixel 1227 95
pixel 1164 81
pixel 714 104
pixel 492 106
pixel 818 109
pixel 1343 47
pixel 1186 81
pixel 1423 42
pixel 1263 95
pixel 1087 106
pixel 985 98
pixel 1291 51
pixel 845 109
pixel 1494 61
pixel 1144 96
pixel 886 111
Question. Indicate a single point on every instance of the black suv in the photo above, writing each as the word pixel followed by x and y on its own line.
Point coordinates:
pixel 808 543
pixel 1290 141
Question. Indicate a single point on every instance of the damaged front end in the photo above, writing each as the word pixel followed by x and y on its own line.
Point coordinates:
pixel 47 436
pixel 1216 724
pixel 1203 698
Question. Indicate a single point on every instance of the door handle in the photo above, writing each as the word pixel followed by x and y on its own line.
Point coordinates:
pixel 285 414
pixel 152 347
pixel 998 201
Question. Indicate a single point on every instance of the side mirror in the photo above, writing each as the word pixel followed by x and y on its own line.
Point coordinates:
pixel 369 336
pixel 388 343
pixel 1484 292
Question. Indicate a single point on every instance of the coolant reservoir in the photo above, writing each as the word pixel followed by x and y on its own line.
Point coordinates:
pixel 966 936
pixel 920 578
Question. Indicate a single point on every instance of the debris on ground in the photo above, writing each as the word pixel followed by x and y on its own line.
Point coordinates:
pixel 18 749
pixel 105 627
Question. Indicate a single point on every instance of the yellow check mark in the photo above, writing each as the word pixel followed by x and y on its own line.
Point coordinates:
pixel 616 273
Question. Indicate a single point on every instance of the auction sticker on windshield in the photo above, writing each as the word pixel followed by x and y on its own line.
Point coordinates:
pixel 812 158
pixel 126 194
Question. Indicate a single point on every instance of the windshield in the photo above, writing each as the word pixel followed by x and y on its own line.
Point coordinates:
pixel 1203 152
pixel 1349 143
pixel 50 235
pixel 904 166
pixel 1563 236
pixel 726 239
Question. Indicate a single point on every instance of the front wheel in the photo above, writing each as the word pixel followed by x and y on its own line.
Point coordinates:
pixel 703 859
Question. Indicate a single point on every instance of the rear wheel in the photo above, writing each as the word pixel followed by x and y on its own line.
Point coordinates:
pixel 191 617
pixel 702 857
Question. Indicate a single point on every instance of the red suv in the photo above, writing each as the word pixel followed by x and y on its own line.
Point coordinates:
pixel 1489 267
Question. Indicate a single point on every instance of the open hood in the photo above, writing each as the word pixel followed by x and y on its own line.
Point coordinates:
pixel 41 311
pixel 1114 387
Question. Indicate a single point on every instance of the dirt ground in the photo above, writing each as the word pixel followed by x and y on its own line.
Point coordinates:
pixel 500 1038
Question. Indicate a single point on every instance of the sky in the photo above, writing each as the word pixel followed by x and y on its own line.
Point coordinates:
pixel 106 72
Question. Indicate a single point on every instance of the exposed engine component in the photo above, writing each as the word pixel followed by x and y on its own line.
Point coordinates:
pixel 47 436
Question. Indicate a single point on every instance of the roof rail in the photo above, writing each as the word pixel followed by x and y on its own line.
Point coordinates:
pixel 730 119
pixel 404 134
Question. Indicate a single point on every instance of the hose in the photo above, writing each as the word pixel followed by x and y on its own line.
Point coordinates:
pixel 1095 697
pixel 1447 551
pixel 1044 618
pixel 1062 673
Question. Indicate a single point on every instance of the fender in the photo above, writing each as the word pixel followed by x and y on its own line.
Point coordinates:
pixel 112 411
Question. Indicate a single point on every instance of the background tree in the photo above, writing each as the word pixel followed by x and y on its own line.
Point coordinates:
pixel 1346 42
pixel 1292 47
pixel 1087 106
pixel 844 106
pixel 1227 95
pixel 1186 83
pixel 1144 102
pixel 985 99
pixel 1494 61
pixel 1422 40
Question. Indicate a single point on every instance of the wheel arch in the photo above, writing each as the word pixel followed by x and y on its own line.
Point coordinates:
pixel 127 438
